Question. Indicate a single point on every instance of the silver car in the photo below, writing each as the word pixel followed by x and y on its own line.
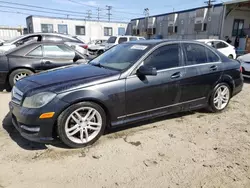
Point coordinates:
pixel 50 37
pixel 245 63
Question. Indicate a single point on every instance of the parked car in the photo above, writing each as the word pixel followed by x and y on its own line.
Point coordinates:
pixel 49 37
pixel 131 82
pixel 112 41
pixel 1 41
pixel 245 63
pixel 96 47
pixel 34 57
pixel 222 46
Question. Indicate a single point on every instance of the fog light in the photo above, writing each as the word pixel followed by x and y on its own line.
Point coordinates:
pixel 47 115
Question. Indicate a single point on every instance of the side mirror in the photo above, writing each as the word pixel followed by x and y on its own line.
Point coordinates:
pixel 20 43
pixel 145 70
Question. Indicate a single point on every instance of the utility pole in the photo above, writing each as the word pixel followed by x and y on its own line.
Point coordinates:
pixel 89 14
pixel 109 10
pixel 98 13
pixel 146 13
pixel 209 3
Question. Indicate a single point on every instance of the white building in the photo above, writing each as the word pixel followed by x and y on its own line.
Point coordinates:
pixel 86 29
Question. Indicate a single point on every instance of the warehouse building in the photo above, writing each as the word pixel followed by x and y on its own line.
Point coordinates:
pixel 229 19
pixel 86 29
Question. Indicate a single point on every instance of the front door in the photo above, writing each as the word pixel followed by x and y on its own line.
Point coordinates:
pixel 203 71
pixel 153 95
pixel 57 56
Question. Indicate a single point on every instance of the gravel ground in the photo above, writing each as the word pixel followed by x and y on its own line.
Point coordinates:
pixel 195 149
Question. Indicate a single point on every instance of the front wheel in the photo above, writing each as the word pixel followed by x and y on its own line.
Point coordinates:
pixel 81 124
pixel 220 97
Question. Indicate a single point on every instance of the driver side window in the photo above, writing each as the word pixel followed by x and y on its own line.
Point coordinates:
pixel 164 57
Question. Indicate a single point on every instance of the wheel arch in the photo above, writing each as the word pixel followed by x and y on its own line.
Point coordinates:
pixel 16 68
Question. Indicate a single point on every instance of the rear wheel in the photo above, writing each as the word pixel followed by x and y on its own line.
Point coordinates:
pixel 81 124
pixel 18 74
pixel 220 97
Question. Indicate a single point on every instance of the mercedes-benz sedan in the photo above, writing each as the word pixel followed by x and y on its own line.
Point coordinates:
pixel 130 82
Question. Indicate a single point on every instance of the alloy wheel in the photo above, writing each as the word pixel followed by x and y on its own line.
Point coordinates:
pixel 19 76
pixel 221 97
pixel 83 125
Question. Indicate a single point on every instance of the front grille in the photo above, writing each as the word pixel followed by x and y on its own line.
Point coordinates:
pixel 17 96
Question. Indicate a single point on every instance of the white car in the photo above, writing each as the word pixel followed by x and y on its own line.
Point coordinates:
pixel 245 64
pixel 114 40
pixel 1 41
pixel 222 46
pixel 52 37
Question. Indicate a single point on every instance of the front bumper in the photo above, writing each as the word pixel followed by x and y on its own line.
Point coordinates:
pixel 28 124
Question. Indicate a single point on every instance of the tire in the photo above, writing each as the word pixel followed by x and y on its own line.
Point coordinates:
pixel 213 105
pixel 231 56
pixel 66 122
pixel 14 74
pixel 100 52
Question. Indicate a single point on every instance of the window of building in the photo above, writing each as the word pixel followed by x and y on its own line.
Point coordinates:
pixel 80 30
pixel 198 54
pixel 121 31
pixel 58 51
pixel 122 40
pixel 175 29
pixel 47 28
pixel 238 27
pixel 164 57
pixel 205 27
pixel 108 31
pixel 37 52
pixel 63 29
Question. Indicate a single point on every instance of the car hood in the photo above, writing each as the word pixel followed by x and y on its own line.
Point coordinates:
pixel 245 58
pixel 65 78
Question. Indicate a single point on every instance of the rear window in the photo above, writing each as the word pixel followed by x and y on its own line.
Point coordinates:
pixel 132 38
pixel 111 40
pixel 122 40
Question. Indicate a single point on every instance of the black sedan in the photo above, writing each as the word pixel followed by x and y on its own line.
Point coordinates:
pixel 131 82
pixel 34 57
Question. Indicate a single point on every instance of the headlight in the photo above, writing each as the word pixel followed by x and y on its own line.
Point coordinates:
pixel 38 100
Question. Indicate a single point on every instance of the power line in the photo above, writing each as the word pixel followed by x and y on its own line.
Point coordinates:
pixel 72 13
pixel 109 11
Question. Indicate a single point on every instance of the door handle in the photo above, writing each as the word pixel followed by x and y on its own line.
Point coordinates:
pixel 213 68
pixel 176 75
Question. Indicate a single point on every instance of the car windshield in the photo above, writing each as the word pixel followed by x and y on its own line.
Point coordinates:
pixel 120 57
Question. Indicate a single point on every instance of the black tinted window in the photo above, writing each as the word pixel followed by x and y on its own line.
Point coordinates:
pixel 122 39
pixel 164 57
pixel 111 40
pixel 219 45
pixel 195 54
pixel 212 57
pixel 132 38
pixel 36 52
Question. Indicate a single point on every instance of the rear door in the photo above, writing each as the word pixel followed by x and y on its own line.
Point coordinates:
pixel 57 56
pixel 203 70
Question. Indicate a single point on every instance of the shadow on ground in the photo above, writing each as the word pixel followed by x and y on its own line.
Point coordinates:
pixel 22 142
pixel 29 145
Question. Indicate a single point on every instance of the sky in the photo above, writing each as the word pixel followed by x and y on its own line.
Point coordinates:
pixel 122 10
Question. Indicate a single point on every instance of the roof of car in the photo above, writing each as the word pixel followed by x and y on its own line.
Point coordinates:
pixel 208 40
pixel 159 41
